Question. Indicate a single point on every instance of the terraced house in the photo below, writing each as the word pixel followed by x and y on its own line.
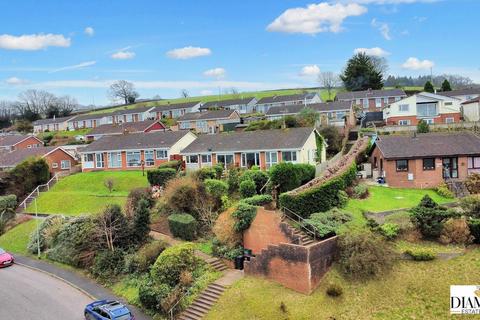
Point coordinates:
pixel 131 115
pixel 262 148
pixel 174 110
pixel 132 151
pixel 18 141
pixel 213 121
pixel 53 124
pixel 264 104
pixel 372 100
pixel 241 105
pixel 123 128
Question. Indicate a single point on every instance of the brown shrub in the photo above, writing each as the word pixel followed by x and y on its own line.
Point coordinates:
pixel 134 196
pixel 181 194
pixel 224 229
pixel 473 183
pixel 456 231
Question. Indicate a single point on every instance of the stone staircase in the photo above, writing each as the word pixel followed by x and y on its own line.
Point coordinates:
pixel 305 239
pixel 216 264
pixel 298 236
pixel 200 307
pixel 458 188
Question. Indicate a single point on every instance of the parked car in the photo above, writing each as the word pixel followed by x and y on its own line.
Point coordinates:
pixel 107 310
pixel 6 259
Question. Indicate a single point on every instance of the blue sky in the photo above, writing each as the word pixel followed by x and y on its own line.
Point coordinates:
pixel 80 47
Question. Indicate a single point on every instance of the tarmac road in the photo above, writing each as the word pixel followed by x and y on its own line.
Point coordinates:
pixel 29 294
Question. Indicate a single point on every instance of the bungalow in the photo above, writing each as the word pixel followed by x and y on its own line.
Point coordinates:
pixel 17 141
pixel 372 100
pixel 471 109
pixel 241 105
pixel 85 121
pixel 125 127
pixel 131 115
pixel 53 124
pixel 432 108
pixel 425 160
pixel 132 151
pixel 462 94
pixel 174 110
pixel 57 158
pixel 262 148
pixel 264 104
pixel 211 122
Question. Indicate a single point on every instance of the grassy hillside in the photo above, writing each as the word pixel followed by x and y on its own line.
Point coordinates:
pixel 16 239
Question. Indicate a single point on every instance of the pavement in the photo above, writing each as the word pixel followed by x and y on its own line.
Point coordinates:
pixel 76 282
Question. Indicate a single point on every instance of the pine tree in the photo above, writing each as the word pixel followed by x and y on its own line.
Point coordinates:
pixel 141 221
pixel 429 87
pixel 446 86
pixel 361 74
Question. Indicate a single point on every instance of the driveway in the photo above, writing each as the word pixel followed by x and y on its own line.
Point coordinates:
pixel 30 294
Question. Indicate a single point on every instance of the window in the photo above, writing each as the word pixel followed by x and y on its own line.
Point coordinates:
pixel 162 154
pixel 340 115
pixel 202 126
pixel 449 120
pixel 397 98
pixel 114 159
pixel 250 159
pixel 128 118
pixel 148 155
pixel 448 103
pixel 54 165
pixel 427 110
pixel 109 120
pixel 206 158
pixel 473 162
pixel 65 164
pixel 133 159
pixel 357 102
pixel 375 163
pixel 403 122
pixel 429 164
pixel 378 102
pixel 185 125
pixel 403 108
pixel 365 103
pixel 192 159
pixel 99 161
pixel 226 159
pixel 429 121
pixel 402 165
pixel 289 156
pixel 88 157
pixel 272 158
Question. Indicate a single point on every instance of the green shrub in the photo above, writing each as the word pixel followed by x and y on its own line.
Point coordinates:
pixel 173 164
pixel 244 215
pixel 334 290
pixel 327 223
pixel 444 191
pixel 8 205
pixel 360 191
pixel 247 188
pixel 142 260
pixel 26 176
pixel 258 176
pixel 420 254
pixel 474 225
pixel 319 198
pixel 389 230
pixel 285 176
pixel 224 251
pixel 429 217
pixel 134 196
pixel 45 234
pixel 342 199
pixel 258 200
pixel 151 294
pixel 206 173
pixel 183 226
pixel 159 177
pixel 364 255
pixel 107 264
pixel 217 188
pixel 233 179
pixel 141 222
pixel 306 172
pixel 218 170
pixel 471 206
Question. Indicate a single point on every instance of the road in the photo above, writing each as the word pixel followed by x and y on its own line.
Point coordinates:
pixel 30 294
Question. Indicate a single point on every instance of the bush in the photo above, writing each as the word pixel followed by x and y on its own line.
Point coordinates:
pixel 206 173
pixel 319 198
pixel 151 294
pixel 142 260
pixel 258 200
pixel 456 231
pixel 46 233
pixel 333 138
pixel 233 179
pixel 226 251
pixel 259 177
pixel 390 230
pixel 364 255
pixel 218 170
pixel 360 191
pixel 113 229
pixel 217 188
pixel 26 176
pixel 474 225
pixel 444 191
pixel 327 223
pixel 141 221
pixel 8 205
pixel 473 183
pixel 342 198
pixel 181 194
pixel 247 188
pixel 420 254
pixel 471 206
pixel 224 229
pixel 159 177
pixel 173 164
pixel 107 264
pixel 244 215
pixel 285 177
pixel 334 290
pixel 429 217
pixel 183 226
pixel 134 196
pixel 306 172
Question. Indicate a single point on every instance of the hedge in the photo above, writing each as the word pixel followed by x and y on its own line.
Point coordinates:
pixel 319 198
pixel 172 164
pixel 247 188
pixel 183 226
pixel 244 215
pixel 159 177
pixel 258 200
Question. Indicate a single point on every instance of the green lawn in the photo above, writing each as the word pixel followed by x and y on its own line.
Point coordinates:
pixel 66 134
pixel 16 239
pixel 85 193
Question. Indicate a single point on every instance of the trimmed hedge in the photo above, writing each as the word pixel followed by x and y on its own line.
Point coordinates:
pixel 183 226
pixel 306 172
pixel 319 198
pixel 258 200
pixel 159 177
pixel 172 164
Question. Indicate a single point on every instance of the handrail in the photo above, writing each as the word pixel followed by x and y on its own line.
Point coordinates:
pixel 37 190
pixel 171 311
pixel 305 225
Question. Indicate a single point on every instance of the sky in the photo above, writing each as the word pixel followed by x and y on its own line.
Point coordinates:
pixel 80 47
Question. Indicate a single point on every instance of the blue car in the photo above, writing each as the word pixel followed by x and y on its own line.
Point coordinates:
pixel 107 310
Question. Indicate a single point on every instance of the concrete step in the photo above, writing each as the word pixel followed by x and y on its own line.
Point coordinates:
pixel 211 296
pixel 214 290
pixel 193 312
pixel 189 316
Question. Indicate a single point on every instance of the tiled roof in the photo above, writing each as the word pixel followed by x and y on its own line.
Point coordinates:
pixel 461 92
pixel 90 116
pixel 292 138
pixel 429 145
pixel 11 159
pixel 175 106
pixel 286 98
pixel 131 127
pixel 226 103
pixel 477 99
pixel 132 111
pixel 206 115
pixel 351 95
pixel 51 121
pixel 11 140
pixel 320 107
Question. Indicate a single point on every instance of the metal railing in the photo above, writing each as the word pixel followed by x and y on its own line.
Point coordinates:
pixel 36 192
pixel 306 227
pixel 171 313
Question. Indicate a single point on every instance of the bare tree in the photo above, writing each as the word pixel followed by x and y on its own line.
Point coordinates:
pixel 380 64
pixel 329 81
pixel 109 184
pixel 123 90
pixel 184 93
pixel 110 226
pixel 66 105
pixel 207 214
pixel 33 103
pixel 233 90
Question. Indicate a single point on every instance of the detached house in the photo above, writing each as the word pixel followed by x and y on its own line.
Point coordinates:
pixel 264 104
pixel 133 150
pixel 53 124
pixel 213 121
pixel 123 128
pixel 262 148
pixel 432 108
pixel 175 110
pixel 462 94
pixel 241 105
pixel 17 141
pixel 372 100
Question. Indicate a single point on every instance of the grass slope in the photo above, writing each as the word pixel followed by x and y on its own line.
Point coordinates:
pixel 85 193
pixel 16 239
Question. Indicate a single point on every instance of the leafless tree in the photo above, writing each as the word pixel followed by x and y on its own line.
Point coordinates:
pixel 380 64
pixel 233 90
pixel 329 81
pixel 205 207
pixel 184 93
pixel 123 90
pixel 109 184
pixel 66 104
pixel 110 226
pixel 35 101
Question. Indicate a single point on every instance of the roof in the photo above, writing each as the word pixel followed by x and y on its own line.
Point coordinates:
pixel 174 106
pixel 474 100
pixel 461 92
pixel 279 139
pixel 226 103
pixel 320 107
pixel 11 159
pixel 134 141
pixel 132 111
pixel 13 139
pixel 51 120
pixel 90 116
pixel 139 126
pixel 286 98
pixel 206 115
pixel 429 145
pixel 351 95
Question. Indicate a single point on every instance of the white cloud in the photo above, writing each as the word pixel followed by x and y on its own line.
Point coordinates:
pixel 33 41
pixel 376 51
pixel 416 64
pixel 188 52
pixel 14 81
pixel 381 2
pixel 123 55
pixel 206 92
pixel 310 71
pixel 217 73
pixel 383 27
pixel 89 31
pixel 315 18
pixel 75 66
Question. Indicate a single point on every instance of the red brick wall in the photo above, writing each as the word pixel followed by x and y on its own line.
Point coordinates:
pixel 124 163
pixel 414 120
pixel 30 141
pixel 56 157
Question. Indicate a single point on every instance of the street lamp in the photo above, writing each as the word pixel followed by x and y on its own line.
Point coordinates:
pixel 38 228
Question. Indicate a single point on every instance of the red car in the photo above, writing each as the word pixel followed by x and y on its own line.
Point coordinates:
pixel 6 259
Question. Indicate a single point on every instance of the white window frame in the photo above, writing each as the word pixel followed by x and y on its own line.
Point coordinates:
pixel 191 159
pixel 99 160
pixel 54 165
pixel 404 122
pixel 378 102
pixel 208 157
pixel 151 162
pixel 449 120
pixel 293 154
pixel 112 155
pixel 225 155
pixel 365 103
pixel 185 125
pixel 403 108
pixel 269 160
pixel 158 151
pixel 129 117
pixel 134 153
pixel 65 164
pixel 243 159
pixel 429 121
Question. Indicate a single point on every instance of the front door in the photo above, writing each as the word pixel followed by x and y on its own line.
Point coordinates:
pixel 450 168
